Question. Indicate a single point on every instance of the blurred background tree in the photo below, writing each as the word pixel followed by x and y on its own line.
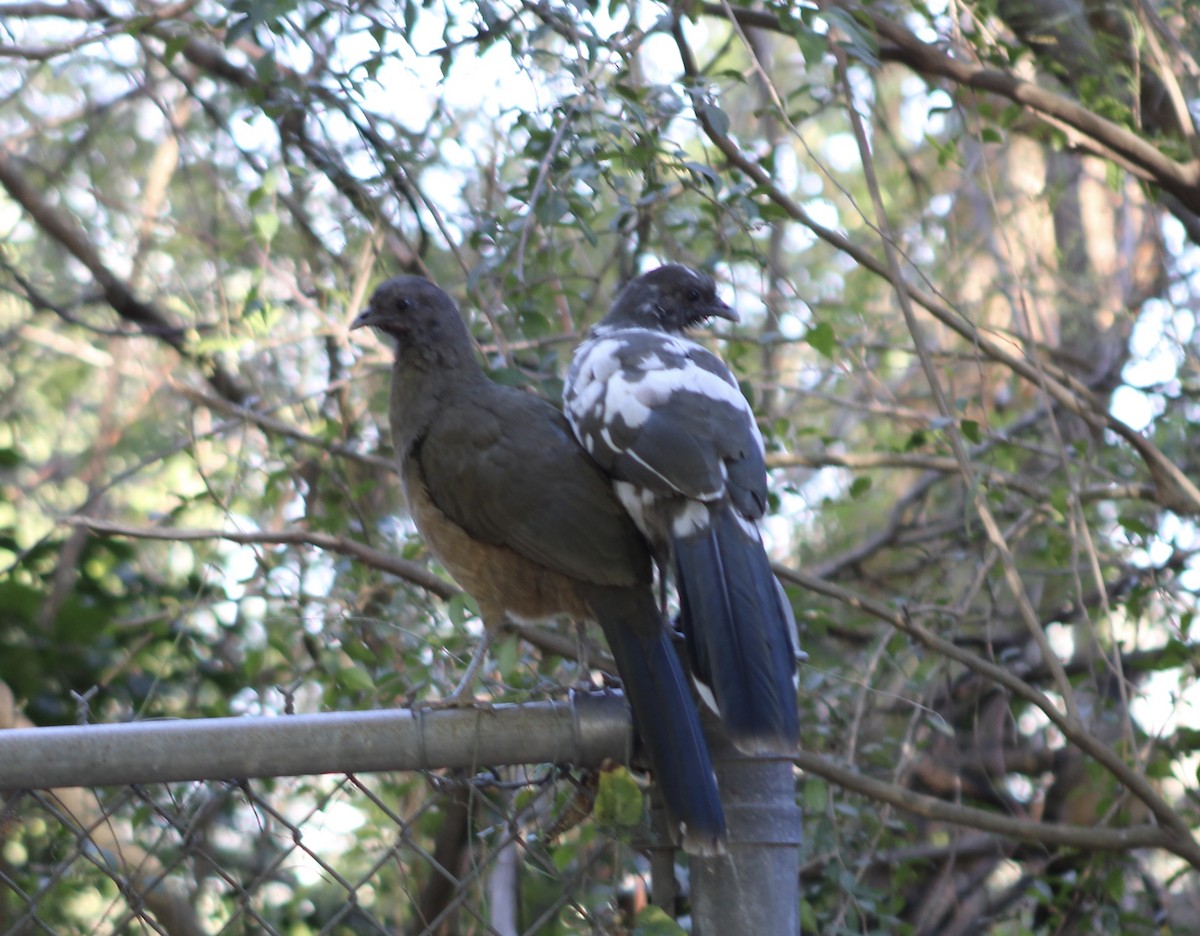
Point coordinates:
pixel 965 242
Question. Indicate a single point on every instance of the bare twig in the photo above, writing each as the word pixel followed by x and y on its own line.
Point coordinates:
pixel 1174 489
pixel 1180 179
pixel 150 319
pixel 953 433
pixel 401 568
pixel 1025 830
pixel 279 427
pixel 1180 834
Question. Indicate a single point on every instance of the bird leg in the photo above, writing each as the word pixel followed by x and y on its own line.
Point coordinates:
pixel 460 697
pixel 583 654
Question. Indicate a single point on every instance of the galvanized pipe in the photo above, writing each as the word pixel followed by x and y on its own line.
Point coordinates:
pixel 755 886
pixel 584 730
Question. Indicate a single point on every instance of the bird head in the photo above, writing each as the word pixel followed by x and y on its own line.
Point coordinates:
pixel 670 299
pixel 420 318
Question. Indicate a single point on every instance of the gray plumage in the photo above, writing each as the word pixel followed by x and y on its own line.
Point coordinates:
pixel 529 525
pixel 665 419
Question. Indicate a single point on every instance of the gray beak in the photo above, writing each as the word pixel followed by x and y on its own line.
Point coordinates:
pixel 364 318
pixel 720 310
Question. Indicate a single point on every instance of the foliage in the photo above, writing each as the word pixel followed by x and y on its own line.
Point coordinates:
pixel 964 244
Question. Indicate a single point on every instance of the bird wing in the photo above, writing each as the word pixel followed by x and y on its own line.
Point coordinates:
pixel 665 414
pixel 503 465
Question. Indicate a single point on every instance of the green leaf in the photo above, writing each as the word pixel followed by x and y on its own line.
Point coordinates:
pixel 1135 526
pixel 243 28
pixel 821 337
pixel 265 69
pixel 1010 114
pixel 461 608
pixel 629 92
pixel 619 800
pixel 772 212
pixel 254 660
pixel 718 118
pixel 948 153
pixel 940 725
pixel 20 602
pixel 1175 653
pixel 816 796
pixel 653 921
pixel 859 487
pixel 970 429
pixel 808 917
pixel 355 678
pixel 506 656
pixel 861 42
pixel 1114 176
pixel 261 319
pixel 707 173
pixel 173 46
pixel 551 208
pixel 266 226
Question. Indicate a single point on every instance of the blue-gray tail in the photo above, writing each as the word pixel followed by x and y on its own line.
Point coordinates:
pixel 739 632
pixel 665 717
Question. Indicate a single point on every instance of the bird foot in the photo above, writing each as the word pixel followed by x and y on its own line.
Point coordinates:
pixel 457 701
pixel 461 696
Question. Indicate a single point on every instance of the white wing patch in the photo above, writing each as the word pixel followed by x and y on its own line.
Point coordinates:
pixel 586 397
pixel 624 399
pixel 691 519
pixel 631 388
pixel 749 527
pixel 635 500
pixel 616 380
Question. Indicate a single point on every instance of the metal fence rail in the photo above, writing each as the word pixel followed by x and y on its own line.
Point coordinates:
pixel 396 822
pixel 584 730
pixel 419 852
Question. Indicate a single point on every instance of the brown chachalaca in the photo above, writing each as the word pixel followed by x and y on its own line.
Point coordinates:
pixel 665 419
pixel 530 526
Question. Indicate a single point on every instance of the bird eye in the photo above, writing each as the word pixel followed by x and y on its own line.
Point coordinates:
pixel 693 295
pixel 402 304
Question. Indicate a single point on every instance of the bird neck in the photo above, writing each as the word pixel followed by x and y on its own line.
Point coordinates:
pixel 424 382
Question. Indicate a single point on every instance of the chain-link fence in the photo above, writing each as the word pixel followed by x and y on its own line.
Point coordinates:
pixel 328 855
pixel 372 822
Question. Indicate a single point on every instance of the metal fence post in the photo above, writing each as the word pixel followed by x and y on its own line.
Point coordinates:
pixel 755 886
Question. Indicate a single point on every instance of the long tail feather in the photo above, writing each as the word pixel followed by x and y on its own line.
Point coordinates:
pixel 739 632
pixel 667 721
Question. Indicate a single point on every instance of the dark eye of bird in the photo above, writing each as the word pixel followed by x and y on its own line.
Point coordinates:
pixel 693 295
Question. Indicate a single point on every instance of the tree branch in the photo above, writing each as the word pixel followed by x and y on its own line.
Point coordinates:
pixel 1025 830
pixel 66 11
pixel 1175 490
pixel 150 319
pixel 1182 841
pixel 279 427
pixel 1180 179
pixel 545 640
pixel 401 568
pixel 946 464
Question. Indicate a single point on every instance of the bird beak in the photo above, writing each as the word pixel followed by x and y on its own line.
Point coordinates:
pixel 720 310
pixel 364 318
